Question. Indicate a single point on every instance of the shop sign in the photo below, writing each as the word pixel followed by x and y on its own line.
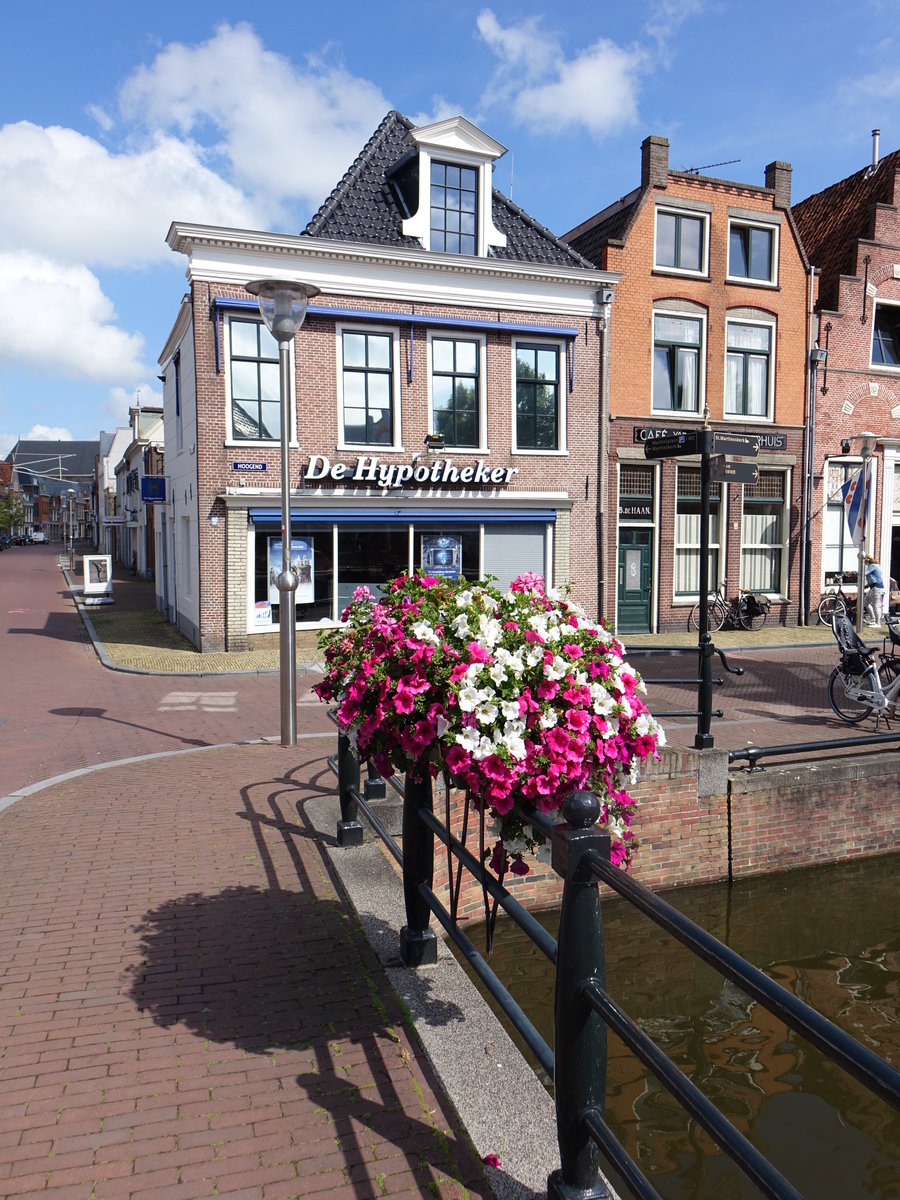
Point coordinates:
pixel 368 468
pixel 636 511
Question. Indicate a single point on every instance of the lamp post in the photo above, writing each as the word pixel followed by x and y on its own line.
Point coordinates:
pixel 866 445
pixel 71 494
pixel 283 307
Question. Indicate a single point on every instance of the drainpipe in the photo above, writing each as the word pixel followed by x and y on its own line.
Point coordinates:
pixel 605 297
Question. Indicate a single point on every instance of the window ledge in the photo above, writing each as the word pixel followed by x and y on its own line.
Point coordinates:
pixel 677 273
pixel 766 284
pixel 243 444
pixel 541 453
pixel 368 448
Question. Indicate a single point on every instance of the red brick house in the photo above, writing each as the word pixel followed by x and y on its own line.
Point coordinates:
pixel 444 310
pixel 710 322
pixel 851 232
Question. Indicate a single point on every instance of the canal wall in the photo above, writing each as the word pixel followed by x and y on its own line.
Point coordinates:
pixel 698 822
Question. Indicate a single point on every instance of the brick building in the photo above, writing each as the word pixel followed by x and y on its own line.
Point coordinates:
pixel 851 232
pixel 711 317
pixel 445 310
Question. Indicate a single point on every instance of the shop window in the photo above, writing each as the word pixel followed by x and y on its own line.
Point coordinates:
pixel 539 421
pixel 752 252
pixel 513 550
pixel 677 347
pixel 839 554
pixel 687 534
pixel 763 534
pixel 368 388
pixel 455 389
pixel 255 388
pixel 451 554
pixel 311 558
pixel 748 370
pixel 370 556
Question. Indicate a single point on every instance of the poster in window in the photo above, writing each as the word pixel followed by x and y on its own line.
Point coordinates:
pixel 302 563
pixel 442 554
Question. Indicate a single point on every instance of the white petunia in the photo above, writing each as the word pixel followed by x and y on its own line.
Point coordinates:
pixel 469 739
pixel 422 631
pixel 514 744
pixel 548 719
pixel 497 672
pixel 486 712
pixel 460 626
pixel 464 599
pixel 510 709
pixel 469 698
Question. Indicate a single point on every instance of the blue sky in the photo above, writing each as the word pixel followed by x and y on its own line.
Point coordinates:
pixel 118 118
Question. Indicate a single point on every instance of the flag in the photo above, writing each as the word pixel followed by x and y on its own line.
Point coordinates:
pixel 856 499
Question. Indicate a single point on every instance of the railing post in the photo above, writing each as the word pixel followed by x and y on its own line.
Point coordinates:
pixel 580 1033
pixel 349 827
pixel 418 944
pixel 375 788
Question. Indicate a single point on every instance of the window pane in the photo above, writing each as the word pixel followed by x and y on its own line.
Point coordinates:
pixel 525 363
pixel 467 358
pixel 244 338
pixel 379 350
pixel 354 349
pixel 677 329
pixel 268 347
pixel 687 380
pixel 437 172
pixel 271 421
pixel 691 247
pixel 245 419
pixel 547 361
pixel 370 555
pixel 464 396
pixel 442 390
pixel 354 389
pixel 663 390
pixel 757 385
pixel 737 252
pixel 269 382
pixel 468 179
pixel 761 253
pixel 379 391
pixel 442 355
pixel 245 380
pixel 734 383
pixel 886 336
pixel 665 239
pixel 354 424
pixel 748 337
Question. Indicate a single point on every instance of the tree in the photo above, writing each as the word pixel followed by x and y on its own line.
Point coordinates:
pixel 12 511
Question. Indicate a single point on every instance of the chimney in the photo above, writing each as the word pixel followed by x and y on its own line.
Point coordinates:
pixel 875 135
pixel 778 179
pixel 654 162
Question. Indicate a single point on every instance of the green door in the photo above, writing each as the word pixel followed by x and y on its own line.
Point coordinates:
pixel 635 584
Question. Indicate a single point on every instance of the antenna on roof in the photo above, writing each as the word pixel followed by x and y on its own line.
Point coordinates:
pixel 706 166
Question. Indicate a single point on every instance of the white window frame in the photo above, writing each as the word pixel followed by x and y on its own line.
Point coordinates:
pixel 230 439
pixel 690 213
pixel 781 589
pixel 393 332
pixel 874 365
pixel 721 504
pixel 481 446
pixel 770 227
pixel 764 321
pixel 562 358
pixel 680 413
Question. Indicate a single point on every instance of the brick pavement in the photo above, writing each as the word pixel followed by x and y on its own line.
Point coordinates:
pixel 189 1007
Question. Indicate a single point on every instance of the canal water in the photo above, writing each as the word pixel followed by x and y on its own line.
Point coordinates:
pixel 831 935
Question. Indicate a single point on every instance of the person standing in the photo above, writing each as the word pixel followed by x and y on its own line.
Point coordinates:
pixel 874 598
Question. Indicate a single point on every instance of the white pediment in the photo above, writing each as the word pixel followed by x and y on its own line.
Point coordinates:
pixel 457 136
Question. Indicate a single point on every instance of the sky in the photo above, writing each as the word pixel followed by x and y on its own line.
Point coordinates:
pixel 118 118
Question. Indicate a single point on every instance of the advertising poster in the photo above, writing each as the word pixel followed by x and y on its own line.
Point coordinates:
pixel 98 575
pixel 442 554
pixel 302 563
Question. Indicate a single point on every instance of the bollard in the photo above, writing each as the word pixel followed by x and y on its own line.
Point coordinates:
pixel 579 1032
pixel 418 944
pixel 375 787
pixel 349 828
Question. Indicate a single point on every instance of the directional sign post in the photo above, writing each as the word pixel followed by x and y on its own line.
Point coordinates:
pixel 743 444
pixel 728 470
pixel 674 444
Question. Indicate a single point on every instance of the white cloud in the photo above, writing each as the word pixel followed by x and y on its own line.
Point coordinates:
pixel 596 90
pixel 56 320
pixel 282 132
pixel 47 433
pixel 120 399
pixel 66 196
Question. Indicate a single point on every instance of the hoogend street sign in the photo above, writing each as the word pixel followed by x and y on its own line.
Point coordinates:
pixel 673 444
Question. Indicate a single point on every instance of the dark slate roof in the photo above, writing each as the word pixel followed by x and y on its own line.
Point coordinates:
pixel 373 197
pixel 832 221
pixel 55 464
pixel 609 225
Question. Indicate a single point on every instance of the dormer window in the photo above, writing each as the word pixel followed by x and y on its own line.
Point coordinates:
pixel 454 208
pixel 454 212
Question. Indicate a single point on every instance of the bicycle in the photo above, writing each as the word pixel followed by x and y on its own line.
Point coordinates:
pixel 839 601
pixel 858 685
pixel 748 610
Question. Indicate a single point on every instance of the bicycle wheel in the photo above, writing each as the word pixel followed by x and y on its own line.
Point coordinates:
pixel 751 614
pixel 829 605
pixel 845 706
pixel 715 616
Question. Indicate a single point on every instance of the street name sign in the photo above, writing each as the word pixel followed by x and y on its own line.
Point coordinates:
pixel 744 444
pixel 726 470
pixel 673 444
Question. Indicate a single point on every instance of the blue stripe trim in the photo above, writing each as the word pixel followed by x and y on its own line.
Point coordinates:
pixel 394 516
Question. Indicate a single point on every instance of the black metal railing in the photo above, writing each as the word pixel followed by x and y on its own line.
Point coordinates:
pixel 753 754
pixel 703 681
pixel 583 1010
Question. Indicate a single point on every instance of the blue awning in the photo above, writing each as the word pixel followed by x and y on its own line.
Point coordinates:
pixel 356 515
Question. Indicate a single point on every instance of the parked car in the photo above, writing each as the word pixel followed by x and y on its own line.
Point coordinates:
pixel 38 536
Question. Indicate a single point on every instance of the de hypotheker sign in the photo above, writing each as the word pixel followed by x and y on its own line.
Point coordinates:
pixel 368 468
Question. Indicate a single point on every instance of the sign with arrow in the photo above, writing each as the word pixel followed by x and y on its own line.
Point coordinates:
pixel 673 444
pixel 727 470
pixel 744 444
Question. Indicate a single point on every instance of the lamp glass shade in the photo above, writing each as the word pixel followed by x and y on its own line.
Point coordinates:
pixel 282 304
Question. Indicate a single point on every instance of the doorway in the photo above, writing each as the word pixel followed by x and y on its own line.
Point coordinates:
pixel 635 580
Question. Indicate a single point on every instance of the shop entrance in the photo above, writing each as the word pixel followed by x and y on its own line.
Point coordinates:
pixel 635 580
